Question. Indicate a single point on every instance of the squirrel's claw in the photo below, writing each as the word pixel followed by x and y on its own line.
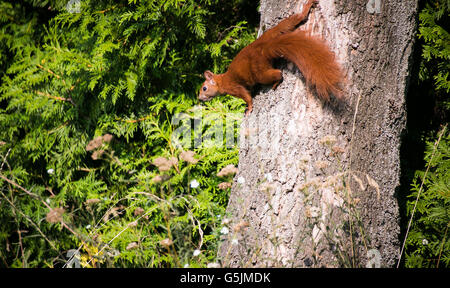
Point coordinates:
pixel 248 111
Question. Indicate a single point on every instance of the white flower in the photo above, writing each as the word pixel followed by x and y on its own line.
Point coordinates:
pixel 50 171
pixel 196 252
pixel 315 211
pixel 194 184
pixel 424 242
pixel 241 180
pixel 234 242
pixel 224 230
pixel 186 265
pixel 268 177
pixel 88 226
pixel 47 200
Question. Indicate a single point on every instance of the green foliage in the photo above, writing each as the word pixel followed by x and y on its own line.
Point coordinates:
pixel 433 22
pixel 87 100
pixel 435 64
pixel 428 243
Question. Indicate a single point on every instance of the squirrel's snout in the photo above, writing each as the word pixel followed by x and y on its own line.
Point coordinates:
pixel 203 97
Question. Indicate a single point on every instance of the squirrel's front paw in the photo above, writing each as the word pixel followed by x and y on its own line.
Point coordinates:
pixel 274 87
pixel 248 111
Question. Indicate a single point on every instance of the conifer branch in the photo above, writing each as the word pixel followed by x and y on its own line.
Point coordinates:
pixel 56 97
pixel 51 72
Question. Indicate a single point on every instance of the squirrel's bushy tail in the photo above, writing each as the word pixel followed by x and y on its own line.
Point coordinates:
pixel 314 59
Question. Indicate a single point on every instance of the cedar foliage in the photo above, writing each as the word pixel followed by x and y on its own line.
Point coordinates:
pixel 428 242
pixel 87 95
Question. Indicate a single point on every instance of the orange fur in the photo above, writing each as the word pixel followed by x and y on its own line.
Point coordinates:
pixel 253 64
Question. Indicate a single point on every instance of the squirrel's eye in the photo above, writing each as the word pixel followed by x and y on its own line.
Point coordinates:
pixel 204 88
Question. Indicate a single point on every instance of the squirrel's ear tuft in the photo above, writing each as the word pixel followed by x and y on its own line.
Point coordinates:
pixel 208 75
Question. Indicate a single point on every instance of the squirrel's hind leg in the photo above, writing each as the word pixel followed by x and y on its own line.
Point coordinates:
pixel 271 76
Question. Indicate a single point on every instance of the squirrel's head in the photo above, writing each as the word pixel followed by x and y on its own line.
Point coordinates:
pixel 209 88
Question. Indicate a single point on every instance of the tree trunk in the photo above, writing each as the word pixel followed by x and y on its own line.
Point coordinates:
pixel 317 182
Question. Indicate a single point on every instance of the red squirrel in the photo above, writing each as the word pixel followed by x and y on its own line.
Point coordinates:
pixel 253 64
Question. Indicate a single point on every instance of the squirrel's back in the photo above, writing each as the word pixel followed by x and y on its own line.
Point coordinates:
pixel 314 59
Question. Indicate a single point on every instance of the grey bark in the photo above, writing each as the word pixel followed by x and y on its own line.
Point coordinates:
pixel 317 182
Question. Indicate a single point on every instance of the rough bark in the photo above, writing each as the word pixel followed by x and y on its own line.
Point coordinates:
pixel 317 182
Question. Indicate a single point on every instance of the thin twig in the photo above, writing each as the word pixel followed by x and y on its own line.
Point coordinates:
pixel 436 144
pixel 51 72
pixel 24 190
pixel 349 167
pixel 31 221
pixel 223 32
pixel 56 97
pixel 353 133
pixel 56 129
pixel 39 198
pixel 98 226
pixel 442 246
pixel 135 120
pixel 21 247
pixel 4 159
pixel 123 230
